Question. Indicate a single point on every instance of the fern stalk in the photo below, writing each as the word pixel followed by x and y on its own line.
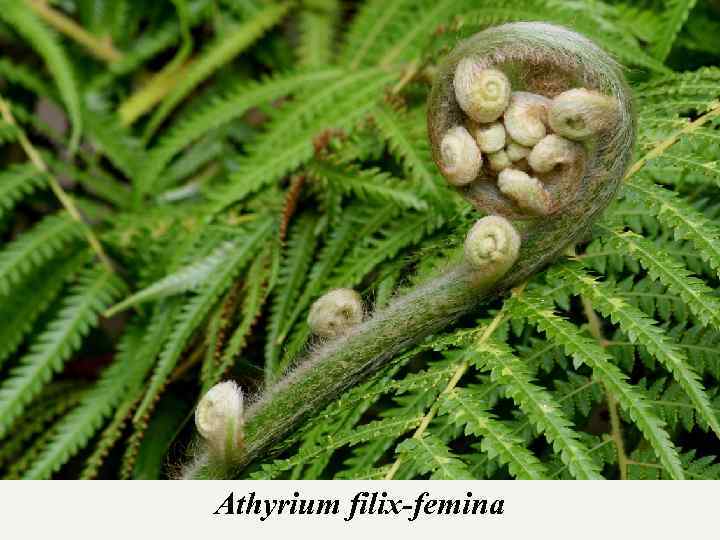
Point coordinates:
pixel 101 49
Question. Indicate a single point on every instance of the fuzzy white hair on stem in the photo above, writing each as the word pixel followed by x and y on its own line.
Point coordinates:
pixel 219 420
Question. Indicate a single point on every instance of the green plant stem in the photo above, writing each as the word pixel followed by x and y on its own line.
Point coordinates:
pixel 151 93
pixel 99 48
pixel 343 362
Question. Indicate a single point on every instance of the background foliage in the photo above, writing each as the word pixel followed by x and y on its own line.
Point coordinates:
pixel 179 180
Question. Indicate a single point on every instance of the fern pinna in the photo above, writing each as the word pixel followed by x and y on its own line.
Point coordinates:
pixel 182 180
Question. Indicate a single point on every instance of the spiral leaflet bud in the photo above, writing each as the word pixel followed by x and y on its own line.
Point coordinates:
pixel 579 113
pixel 499 161
pixel 490 138
pixel 551 152
pixel 526 118
pixel 527 191
pixel 219 419
pixel 460 156
pixel 516 151
pixel 335 313
pixel 492 246
pixel 482 93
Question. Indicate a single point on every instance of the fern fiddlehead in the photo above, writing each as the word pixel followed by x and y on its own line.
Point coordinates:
pixel 559 110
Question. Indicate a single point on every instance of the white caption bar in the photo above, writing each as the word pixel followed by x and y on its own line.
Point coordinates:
pixel 347 510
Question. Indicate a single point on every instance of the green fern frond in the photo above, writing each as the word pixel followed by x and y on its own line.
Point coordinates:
pixel 8 133
pixel 341 418
pixel 538 404
pixel 430 455
pixel 258 284
pixel 584 351
pixel 194 312
pixel 37 419
pixel 674 14
pixel 232 42
pixel 34 248
pixel 465 409
pixel 686 222
pixel 393 427
pixel 318 21
pixel 63 335
pixel 96 181
pixel 111 139
pixel 292 275
pixel 367 184
pixel 339 105
pixel 639 328
pixel 151 43
pixel 23 76
pixel 414 33
pixel 371 23
pixel 109 437
pixel 407 139
pixel 44 41
pixel 127 371
pixel 185 279
pixel 28 301
pixel 16 183
pixel 671 273
pixel 218 112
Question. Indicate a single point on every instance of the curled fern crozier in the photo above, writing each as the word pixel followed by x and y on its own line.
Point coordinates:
pixel 538 60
